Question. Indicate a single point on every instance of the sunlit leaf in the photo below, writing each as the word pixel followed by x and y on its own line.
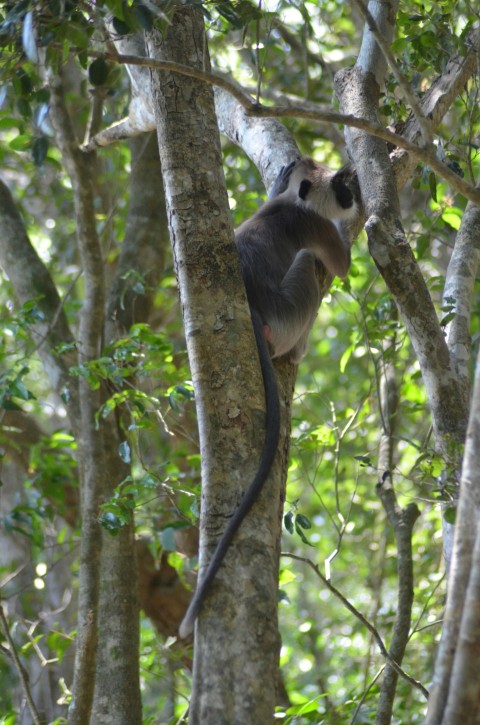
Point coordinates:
pixel 28 38
pixel 124 452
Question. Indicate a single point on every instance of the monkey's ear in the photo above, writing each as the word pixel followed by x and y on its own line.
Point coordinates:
pixel 305 186
pixel 281 182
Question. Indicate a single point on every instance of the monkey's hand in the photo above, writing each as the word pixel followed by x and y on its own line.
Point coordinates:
pixel 281 182
pixel 267 331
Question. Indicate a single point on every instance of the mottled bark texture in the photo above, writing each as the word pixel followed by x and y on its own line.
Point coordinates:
pixel 463 575
pixel 455 694
pixel 117 699
pixel 458 293
pixel 236 639
pixel 110 628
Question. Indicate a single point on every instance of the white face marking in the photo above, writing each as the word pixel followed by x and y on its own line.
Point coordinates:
pixel 321 197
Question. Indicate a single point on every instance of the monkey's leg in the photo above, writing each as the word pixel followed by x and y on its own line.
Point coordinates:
pixel 295 306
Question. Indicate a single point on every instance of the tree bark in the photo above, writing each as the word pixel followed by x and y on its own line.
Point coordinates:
pixel 100 471
pixel 456 692
pixel 236 639
pixel 458 288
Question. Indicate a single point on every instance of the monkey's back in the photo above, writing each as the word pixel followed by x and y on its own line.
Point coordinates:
pixel 267 244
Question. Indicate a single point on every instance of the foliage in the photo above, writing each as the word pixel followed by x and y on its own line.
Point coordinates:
pixel 333 515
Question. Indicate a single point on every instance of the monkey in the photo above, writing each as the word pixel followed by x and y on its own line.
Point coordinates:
pixel 279 248
pixel 280 245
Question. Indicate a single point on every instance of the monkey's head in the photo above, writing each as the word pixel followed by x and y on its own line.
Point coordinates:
pixel 322 190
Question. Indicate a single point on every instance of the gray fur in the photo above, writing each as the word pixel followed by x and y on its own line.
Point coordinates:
pixel 279 247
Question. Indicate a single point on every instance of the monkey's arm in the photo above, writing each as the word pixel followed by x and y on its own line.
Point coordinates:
pixel 328 245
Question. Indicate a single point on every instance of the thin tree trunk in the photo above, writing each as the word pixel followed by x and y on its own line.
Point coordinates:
pixel 116 675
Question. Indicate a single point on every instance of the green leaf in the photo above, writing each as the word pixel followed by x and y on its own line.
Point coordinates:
pixel 450 514
pixel 111 522
pixel 40 150
pixel 167 537
pixel 98 72
pixel 298 530
pixel 306 707
pixel 21 142
pixel 303 521
pixel 8 404
pixel 364 460
pixel 448 318
pixel 143 17
pixel 452 218
pixel 58 643
pixel 116 8
pixel 283 596
pixel 18 390
pixel 346 357
pixel 8 122
pixel 288 522
pixel 9 718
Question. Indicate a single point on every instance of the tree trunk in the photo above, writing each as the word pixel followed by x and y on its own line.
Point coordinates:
pixel 115 673
pixel 236 639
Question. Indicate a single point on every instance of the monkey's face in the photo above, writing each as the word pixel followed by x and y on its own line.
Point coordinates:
pixel 321 190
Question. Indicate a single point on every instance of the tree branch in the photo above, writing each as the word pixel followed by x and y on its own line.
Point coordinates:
pixel 31 280
pixel 92 463
pixel 435 103
pixel 77 165
pixel 358 91
pixel 308 111
pixel 144 244
pixel 20 669
pixel 412 100
pixel 373 631
pixel 458 292
pixel 455 694
pixel 402 522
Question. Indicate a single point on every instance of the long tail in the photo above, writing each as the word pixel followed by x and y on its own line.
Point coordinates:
pixel 270 446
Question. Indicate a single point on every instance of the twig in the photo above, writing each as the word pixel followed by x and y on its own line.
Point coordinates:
pixel 363 620
pixel 20 669
pixel 364 696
